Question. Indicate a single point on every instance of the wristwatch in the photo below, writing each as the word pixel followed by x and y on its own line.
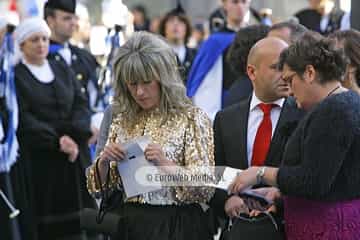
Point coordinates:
pixel 260 175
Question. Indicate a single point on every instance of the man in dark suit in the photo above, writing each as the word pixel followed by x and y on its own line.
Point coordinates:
pixel 324 17
pixel 245 133
pixel 239 50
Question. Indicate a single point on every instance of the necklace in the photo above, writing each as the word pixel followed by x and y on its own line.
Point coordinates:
pixel 332 91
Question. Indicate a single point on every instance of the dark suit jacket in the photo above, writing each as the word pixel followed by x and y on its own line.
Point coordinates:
pixel 83 65
pixel 230 136
pixel 186 65
pixel 241 89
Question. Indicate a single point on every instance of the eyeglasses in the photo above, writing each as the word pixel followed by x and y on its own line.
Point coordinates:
pixel 289 78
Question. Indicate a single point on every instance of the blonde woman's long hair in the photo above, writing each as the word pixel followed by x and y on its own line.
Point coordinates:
pixel 147 57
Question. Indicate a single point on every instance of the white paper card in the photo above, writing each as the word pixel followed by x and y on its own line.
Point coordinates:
pixel 227 178
pixel 135 160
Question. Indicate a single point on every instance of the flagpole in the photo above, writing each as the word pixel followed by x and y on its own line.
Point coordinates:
pixel 14 212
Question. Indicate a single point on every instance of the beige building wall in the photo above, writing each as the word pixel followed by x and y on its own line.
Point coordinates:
pixel 201 9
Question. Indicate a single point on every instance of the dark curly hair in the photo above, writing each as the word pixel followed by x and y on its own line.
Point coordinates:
pixel 313 49
pixel 350 41
pixel 239 50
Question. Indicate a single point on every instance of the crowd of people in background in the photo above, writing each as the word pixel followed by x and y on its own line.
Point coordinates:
pixel 278 100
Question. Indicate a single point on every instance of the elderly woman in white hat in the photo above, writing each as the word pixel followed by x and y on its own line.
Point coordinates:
pixel 53 132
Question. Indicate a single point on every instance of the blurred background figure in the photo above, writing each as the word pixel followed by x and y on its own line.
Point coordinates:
pixel 349 40
pixel 211 76
pixel 81 36
pixel 61 19
pixel 217 19
pixel 141 20
pixel 3 31
pixel 322 16
pixel 105 40
pixel 198 35
pixel 265 15
pixel 11 14
pixel 155 24
pixel 237 14
pixel 8 141
pixel 116 13
pixel 175 26
pixel 288 31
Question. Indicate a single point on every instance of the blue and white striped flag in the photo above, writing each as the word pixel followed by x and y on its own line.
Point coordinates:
pixel 9 144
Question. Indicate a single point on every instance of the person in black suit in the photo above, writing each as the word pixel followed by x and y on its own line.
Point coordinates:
pixel 236 127
pixel 239 50
pixel 323 17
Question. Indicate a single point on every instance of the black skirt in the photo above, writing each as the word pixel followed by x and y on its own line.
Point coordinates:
pixel 169 222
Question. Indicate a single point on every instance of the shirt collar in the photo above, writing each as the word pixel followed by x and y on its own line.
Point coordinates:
pixel 255 101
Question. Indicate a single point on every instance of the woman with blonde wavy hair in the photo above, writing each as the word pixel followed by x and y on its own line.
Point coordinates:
pixel 150 101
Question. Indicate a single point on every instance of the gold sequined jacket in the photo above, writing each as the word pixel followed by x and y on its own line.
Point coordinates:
pixel 186 139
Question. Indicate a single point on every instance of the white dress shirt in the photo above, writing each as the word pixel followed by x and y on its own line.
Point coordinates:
pixel 344 23
pixel 256 116
pixel 180 51
pixel 65 52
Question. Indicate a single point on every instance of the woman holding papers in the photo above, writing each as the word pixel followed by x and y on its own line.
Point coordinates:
pixel 319 177
pixel 150 101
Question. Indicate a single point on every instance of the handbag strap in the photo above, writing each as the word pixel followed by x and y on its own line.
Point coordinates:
pixel 103 209
pixel 232 221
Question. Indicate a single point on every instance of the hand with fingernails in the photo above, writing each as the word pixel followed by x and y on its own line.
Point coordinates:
pixel 69 146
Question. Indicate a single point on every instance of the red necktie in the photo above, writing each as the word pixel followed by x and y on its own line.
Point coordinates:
pixel 263 136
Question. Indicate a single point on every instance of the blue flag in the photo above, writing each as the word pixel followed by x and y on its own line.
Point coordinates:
pixel 210 50
pixel 9 144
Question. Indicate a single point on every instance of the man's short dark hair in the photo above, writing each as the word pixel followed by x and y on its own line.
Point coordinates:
pixel 239 50
pixel 49 12
pixel 296 30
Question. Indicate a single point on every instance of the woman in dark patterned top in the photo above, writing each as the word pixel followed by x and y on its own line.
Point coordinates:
pixel 319 177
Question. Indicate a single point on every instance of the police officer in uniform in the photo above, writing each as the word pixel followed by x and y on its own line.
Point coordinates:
pixel 61 18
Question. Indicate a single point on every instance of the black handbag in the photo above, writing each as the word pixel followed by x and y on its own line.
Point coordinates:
pixel 244 227
pixel 110 225
pixel 107 219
